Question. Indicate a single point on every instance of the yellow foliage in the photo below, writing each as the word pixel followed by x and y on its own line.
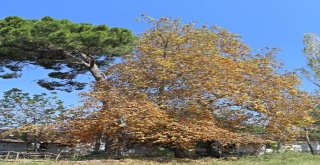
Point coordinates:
pixel 186 84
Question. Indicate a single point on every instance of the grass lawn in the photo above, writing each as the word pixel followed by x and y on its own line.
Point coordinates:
pixel 289 158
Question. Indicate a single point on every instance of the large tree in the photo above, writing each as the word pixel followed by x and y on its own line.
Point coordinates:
pixel 68 49
pixel 186 84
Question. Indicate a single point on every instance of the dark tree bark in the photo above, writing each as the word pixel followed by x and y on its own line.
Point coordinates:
pixel 309 143
pixel 210 150
pixel 179 153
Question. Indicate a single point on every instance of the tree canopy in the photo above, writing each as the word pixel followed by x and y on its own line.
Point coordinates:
pixel 19 108
pixel 32 117
pixel 312 52
pixel 67 48
pixel 185 84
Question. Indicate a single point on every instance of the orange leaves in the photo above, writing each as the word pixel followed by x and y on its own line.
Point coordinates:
pixel 186 84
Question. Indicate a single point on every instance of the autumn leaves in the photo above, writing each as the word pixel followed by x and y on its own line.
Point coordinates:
pixel 184 84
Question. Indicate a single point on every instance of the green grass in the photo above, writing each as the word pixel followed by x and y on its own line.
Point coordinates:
pixel 288 158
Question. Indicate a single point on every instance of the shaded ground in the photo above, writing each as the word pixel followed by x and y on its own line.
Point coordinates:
pixel 289 158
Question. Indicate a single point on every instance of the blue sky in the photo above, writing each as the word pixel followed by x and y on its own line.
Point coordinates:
pixel 261 23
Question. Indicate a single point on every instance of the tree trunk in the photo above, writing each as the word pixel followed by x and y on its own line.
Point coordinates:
pixel 108 145
pixel 91 64
pixel 278 146
pixel 35 137
pixel 308 142
pixel 98 76
pixel 97 144
pixel 96 72
pixel 210 151
pixel 35 145
pixel 179 153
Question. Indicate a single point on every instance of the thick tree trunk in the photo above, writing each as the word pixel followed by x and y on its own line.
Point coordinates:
pixel 98 76
pixel 91 64
pixel 209 149
pixel 96 72
pixel 179 153
pixel 309 143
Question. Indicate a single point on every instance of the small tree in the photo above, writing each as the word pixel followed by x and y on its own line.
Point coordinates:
pixel 312 53
pixel 33 115
pixel 312 131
